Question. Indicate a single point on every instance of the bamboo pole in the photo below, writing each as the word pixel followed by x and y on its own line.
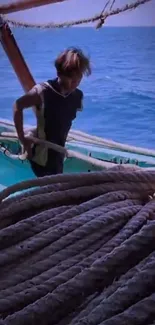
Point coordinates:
pixel 23 5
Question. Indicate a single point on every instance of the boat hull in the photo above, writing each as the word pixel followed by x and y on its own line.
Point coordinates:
pixel 16 170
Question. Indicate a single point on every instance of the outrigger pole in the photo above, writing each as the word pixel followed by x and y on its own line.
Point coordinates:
pixel 24 5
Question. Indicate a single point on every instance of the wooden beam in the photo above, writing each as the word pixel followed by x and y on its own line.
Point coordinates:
pixel 15 57
pixel 24 4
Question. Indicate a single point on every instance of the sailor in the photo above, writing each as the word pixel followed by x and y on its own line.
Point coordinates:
pixel 57 102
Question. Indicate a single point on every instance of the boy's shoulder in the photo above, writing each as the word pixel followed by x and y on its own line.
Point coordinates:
pixel 44 86
pixel 41 86
pixel 79 92
pixel 78 96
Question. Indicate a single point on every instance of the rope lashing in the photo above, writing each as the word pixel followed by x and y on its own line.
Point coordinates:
pixel 100 23
pixel 102 20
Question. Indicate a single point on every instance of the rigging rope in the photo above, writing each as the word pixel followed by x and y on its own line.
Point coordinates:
pixel 100 17
pixel 102 20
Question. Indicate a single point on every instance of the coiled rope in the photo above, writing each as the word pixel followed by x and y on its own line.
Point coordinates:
pixel 79 249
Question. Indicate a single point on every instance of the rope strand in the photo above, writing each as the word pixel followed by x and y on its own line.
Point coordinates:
pixel 99 17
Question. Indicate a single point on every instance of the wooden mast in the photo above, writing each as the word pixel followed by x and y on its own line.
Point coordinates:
pixel 23 5
pixel 15 56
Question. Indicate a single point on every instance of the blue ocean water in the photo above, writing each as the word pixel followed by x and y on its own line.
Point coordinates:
pixel 119 97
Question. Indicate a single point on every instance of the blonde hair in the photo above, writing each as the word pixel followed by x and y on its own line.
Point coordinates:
pixel 72 61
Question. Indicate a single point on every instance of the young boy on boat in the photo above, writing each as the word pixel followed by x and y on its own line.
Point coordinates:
pixel 57 102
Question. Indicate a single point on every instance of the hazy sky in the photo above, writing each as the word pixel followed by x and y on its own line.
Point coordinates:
pixel 75 9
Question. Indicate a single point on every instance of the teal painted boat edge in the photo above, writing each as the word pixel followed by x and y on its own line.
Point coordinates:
pixel 98 149
pixel 94 151
pixel 21 170
pixel 110 154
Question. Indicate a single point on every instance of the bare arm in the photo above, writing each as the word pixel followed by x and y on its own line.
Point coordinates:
pixel 31 99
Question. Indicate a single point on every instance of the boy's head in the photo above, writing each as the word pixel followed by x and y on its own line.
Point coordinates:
pixel 71 65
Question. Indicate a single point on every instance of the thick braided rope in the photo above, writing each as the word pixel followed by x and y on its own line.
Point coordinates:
pixel 78 255
pixel 74 212
pixel 73 288
pixel 32 205
pixel 121 282
pixel 74 229
pixel 21 296
pixel 43 262
pixel 85 179
pixel 89 205
pixel 137 314
pixel 28 228
pixel 77 259
pixel 133 290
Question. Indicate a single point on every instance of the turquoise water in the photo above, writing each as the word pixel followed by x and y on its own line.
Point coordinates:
pixel 119 96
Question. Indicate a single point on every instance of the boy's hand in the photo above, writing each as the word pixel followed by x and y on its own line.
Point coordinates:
pixel 27 145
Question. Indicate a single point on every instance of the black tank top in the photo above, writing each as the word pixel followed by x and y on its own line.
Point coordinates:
pixel 54 119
